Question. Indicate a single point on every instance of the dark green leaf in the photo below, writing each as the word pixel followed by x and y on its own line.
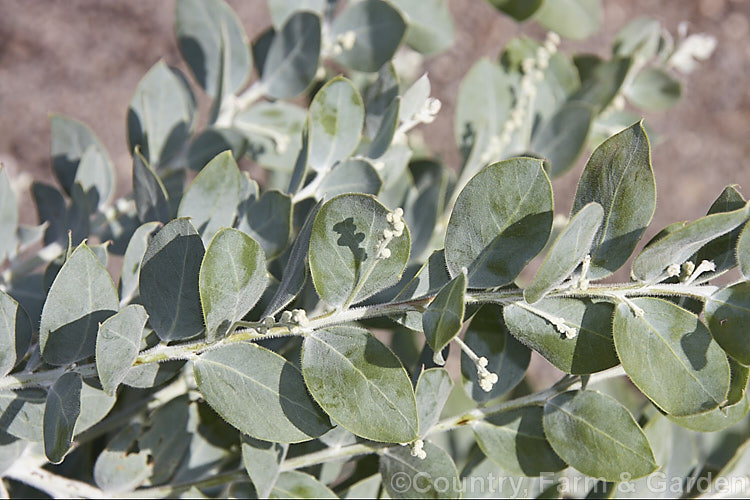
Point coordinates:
pixel 232 279
pixel 743 251
pixel 15 333
pixel 117 345
pixel 520 10
pixel 211 200
pixel 501 220
pixel 167 439
pixel 405 476
pixel 212 141
pixel 131 263
pixel 161 114
pixel 567 252
pixel 151 199
pixel 619 177
pixel 360 383
pixel 639 37
pixel 269 222
pixel 722 250
pixel 597 435
pixel 214 45
pixel 488 337
pixel 562 138
pixel 169 281
pixel 677 246
pixel 591 350
pixel 295 484
pixel 81 297
pixel 344 264
pixel 292 58
pixel 444 316
pixel 96 176
pixel 295 271
pixel 260 393
pixel 601 82
pixel 60 414
pixel 670 356
pixel 654 89
pixel 377 29
pixel 728 316
pixel 515 441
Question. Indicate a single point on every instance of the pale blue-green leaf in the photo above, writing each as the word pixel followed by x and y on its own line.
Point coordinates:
pixel 61 411
pixel 15 333
pixel 336 119
pixel 722 250
pixel 590 351
pixel 430 24
pixel 364 488
pixel 670 356
pixel 22 413
pixel 501 220
pixel 81 297
pixel 11 449
pixel 575 19
pixel 168 281
pixel 269 222
pixel 292 58
pixel 388 126
pixel 743 251
pixel 378 97
pixel 118 469
pixel 483 104
pixel 567 252
pixel 654 89
pixel 414 98
pixel 210 142
pixel 117 345
pixel 520 10
pixel 344 246
pixel 433 388
pixel 734 411
pixel 619 177
pixel 734 472
pixel 598 436
pixel 96 175
pixel 405 476
pixel 377 28
pixel 211 200
pixel 213 43
pixel 273 132
pixel 488 337
pixel 295 271
pixel 444 316
pixel 152 374
pixel 639 37
pixel 69 141
pixel 515 441
pixel 131 263
pixel 95 405
pixel 396 177
pixel 280 10
pixel 299 174
pixel 260 393
pixel 262 462
pixel 161 114
pixel 350 176
pixel 677 246
pixel 151 198
pixel 295 484
pixel 232 279
pixel 360 383
pixel 562 138
pixel 8 216
pixel 727 315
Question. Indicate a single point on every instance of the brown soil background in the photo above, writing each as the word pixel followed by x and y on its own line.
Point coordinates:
pixel 84 58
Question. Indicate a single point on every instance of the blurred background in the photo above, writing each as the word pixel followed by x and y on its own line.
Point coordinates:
pixel 84 58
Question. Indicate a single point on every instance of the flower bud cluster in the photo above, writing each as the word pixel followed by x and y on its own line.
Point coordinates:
pixel 533 71
pixel 428 111
pixel 487 379
pixel 295 320
pixel 417 449
pixel 344 41
pixel 395 229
